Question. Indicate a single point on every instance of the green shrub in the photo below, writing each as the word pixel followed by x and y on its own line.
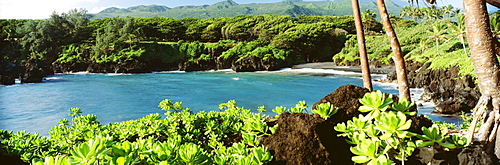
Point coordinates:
pixel 382 137
pixel 181 137
pixel 325 110
pixel 72 53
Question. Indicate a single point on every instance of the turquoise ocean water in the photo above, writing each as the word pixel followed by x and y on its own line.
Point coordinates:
pixel 119 97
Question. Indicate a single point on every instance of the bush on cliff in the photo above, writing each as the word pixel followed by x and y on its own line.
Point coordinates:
pixel 118 42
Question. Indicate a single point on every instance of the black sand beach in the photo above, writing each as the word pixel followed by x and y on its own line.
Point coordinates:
pixel 331 65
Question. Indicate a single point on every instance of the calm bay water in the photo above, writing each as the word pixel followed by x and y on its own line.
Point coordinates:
pixel 119 97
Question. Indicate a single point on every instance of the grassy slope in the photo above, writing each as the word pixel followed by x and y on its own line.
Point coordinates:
pixel 416 45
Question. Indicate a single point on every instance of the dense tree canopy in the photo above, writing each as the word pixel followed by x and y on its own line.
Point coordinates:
pixel 73 37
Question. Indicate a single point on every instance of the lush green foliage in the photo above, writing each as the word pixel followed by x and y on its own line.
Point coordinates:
pixel 382 137
pixel 325 110
pixel 437 135
pixel 42 38
pixel 301 107
pixel 117 42
pixel 431 12
pixel 72 37
pixel 181 137
pixel 316 39
pixel 438 40
pixel 73 53
pixel 381 134
pixel 230 136
pixel 375 51
pixel 162 41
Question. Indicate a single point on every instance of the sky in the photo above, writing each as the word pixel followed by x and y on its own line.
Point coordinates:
pixel 42 9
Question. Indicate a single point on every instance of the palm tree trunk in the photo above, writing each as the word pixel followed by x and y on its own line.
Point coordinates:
pixel 463 45
pixel 365 68
pixel 487 69
pixel 437 46
pixel 404 90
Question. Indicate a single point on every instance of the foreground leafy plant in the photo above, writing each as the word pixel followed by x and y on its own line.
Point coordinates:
pixel 437 135
pixel 393 124
pixel 367 152
pixel 27 146
pixel 50 160
pixel 90 152
pixel 325 110
pixel 403 106
pixel 192 154
pixel 300 107
pixel 181 137
pixel 375 101
pixel 457 141
pixel 381 136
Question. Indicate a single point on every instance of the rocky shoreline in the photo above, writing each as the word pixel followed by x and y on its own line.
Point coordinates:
pixel 451 92
pixel 31 71
pixel 314 139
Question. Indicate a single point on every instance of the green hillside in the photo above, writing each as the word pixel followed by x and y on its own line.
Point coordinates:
pixel 230 8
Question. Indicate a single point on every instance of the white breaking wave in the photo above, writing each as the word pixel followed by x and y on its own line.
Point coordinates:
pixel 13 85
pixel 223 70
pixel 172 71
pixel 52 78
pixel 83 72
pixel 385 85
pixel 118 74
pixel 310 70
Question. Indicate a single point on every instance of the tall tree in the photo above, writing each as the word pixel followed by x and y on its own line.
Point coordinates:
pixel 42 39
pixel 75 27
pixel 437 33
pixel 365 68
pixel 404 90
pixel 406 12
pixel 119 34
pixel 368 14
pixel 458 31
pixel 487 69
pixel 9 48
pixel 34 39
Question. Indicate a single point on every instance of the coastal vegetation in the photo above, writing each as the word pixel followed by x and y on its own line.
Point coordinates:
pixel 164 42
pixel 483 45
pixel 230 136
pixel 429 42
pixel 132 44
pixel 180 137
pixel 382 136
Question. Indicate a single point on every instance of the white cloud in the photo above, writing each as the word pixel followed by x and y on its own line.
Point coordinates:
pixel 36 9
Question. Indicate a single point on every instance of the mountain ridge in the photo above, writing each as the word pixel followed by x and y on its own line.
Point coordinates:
pixel 229 8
